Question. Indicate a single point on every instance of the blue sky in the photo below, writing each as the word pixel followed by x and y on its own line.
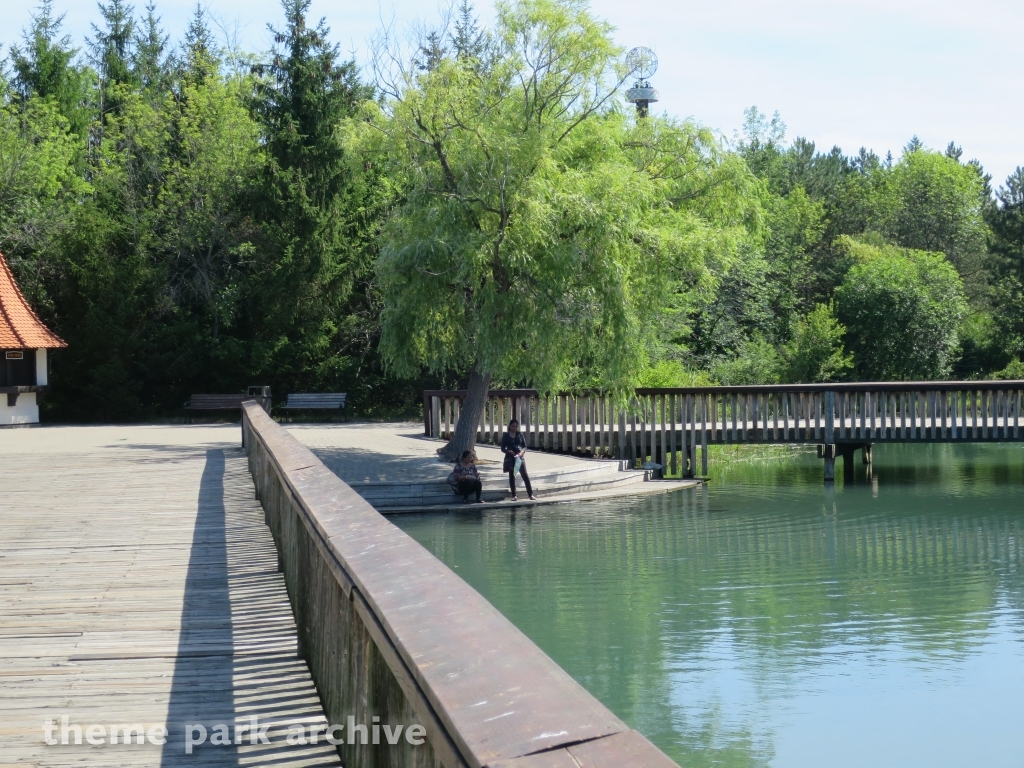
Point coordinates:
pixel 868 73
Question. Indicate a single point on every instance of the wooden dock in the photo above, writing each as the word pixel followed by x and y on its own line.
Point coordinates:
pixel 139 585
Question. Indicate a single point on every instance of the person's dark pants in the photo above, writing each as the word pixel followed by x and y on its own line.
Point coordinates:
pixel 526 479
pixel 467 487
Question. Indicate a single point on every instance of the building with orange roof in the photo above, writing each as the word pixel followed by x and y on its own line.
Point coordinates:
pixel 24 372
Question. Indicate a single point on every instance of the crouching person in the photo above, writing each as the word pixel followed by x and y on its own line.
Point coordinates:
pixel 467 478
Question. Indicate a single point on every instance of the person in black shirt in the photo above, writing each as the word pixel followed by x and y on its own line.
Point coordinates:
pixel 513 445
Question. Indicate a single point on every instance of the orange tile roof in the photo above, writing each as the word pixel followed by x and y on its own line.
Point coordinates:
pixel 19 326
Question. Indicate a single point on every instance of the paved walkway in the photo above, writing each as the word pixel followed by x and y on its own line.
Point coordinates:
pixel 386 452
pixel 139 584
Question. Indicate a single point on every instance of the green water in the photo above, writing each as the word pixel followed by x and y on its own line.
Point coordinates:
pixel 766 621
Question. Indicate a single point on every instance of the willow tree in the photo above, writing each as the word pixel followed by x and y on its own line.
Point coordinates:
pixel 537 224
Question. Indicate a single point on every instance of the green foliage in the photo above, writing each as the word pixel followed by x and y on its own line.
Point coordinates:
pixel 197 219
pixel 44 66
pixel 538 226
pixel 1014 371
pixel 38 180
pixel 1006 219
pixel 983 347
pixel 672 373
pixel 815 353
pixel 902 310
pixel 315 240
pixel 931 202
pixel 757 362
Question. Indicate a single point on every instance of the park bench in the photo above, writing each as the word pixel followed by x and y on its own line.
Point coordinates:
pixel 322 401
pixel 229 402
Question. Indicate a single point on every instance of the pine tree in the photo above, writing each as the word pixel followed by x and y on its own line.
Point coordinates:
pixel 148 65
pixel 314 224
pixel 45 66
pixel 467 40
pixel 199 50
pixel 112 50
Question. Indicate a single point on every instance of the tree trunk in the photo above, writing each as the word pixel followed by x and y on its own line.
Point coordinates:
pixel 469 417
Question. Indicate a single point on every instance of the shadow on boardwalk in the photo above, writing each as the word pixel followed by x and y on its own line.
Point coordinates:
pixel 236 653
pixel 202 690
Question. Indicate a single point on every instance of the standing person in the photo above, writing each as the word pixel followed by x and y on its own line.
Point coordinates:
pixel 467 477
pixel 513 445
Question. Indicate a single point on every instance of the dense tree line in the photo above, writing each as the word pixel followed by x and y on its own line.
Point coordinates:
pixel 194 217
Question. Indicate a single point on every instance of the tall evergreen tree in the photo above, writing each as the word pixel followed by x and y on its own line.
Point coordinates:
pixel 112 52
pixel 44 65
pixel 315 241
pixel 148 64
pixel 1006 219
pixel 199 53
pixel 468 40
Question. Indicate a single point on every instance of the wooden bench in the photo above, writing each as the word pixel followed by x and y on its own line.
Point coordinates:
pixel 216 402
pixel 322 401
pixel 229 402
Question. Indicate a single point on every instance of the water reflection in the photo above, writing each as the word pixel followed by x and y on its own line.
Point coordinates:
pixel 768 620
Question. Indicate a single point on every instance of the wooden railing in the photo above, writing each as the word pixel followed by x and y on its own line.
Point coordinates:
pixel 392 635
pixel 670 424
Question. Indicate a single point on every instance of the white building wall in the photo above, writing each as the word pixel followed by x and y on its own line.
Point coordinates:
pixel 26 411
pixel 41 373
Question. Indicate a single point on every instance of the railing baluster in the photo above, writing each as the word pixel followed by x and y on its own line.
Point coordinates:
pixel 931 416
pixel 551 422
pixel 620 438
pixel 693 403
pixel 704 435
pixel 655 442
pixel 841 415
pixel 732 435
pixel 819 423
pixel 664 437
pixel 858 413
pixel 672 434
pixel 802 417
pixel 632 433
pixel 744 417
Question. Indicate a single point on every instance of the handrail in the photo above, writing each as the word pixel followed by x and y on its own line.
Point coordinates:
pixel 484 692
pixel 986 385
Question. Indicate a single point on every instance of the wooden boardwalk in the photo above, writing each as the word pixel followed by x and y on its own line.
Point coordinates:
pixel 139 584
pixel 671 424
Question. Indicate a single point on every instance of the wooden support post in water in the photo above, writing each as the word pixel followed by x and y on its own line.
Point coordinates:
pixel 848 451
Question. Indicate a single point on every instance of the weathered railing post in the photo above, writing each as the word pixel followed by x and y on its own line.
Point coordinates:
pixel 830 437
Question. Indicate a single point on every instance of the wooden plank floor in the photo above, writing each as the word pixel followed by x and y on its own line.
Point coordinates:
pixel 139 584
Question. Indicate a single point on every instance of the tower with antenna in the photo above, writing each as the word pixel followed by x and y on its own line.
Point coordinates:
pixel 642 63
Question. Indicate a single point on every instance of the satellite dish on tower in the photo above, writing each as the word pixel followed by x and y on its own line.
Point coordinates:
pixel 642 63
